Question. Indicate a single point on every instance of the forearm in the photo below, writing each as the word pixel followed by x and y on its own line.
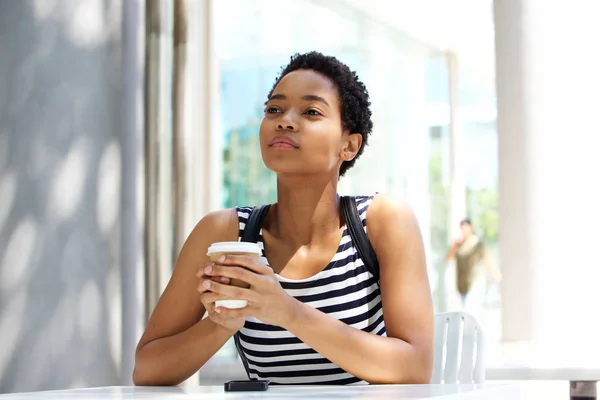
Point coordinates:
pixel 171 360
pixel 450 255
pixel 492 269
pixel 373 358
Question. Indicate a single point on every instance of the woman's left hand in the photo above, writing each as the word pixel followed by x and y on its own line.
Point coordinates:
pixel 267 300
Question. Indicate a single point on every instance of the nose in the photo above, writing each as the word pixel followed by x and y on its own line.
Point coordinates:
pixel 285 123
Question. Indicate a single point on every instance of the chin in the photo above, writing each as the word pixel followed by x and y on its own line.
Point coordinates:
pixel 282 165
pixel 292 167
pixel 286 170
pixel 282 168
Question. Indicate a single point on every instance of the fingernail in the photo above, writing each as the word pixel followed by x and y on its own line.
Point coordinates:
pixel 208 269
pixel 221 259
pixel 206 284
pixel 218 310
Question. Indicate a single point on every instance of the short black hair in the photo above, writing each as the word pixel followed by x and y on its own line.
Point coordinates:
pixel 353 95
pixel 466 221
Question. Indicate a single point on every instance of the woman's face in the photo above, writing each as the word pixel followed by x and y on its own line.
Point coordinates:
pixel 466 229
pixel 301 132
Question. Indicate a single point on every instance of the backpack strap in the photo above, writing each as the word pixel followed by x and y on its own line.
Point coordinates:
pixel 359 236
pixel 238 346
pixel 251 234
pixel 355 229
pixel 255 221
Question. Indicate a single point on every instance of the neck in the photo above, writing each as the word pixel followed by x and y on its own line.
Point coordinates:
pixel 305 212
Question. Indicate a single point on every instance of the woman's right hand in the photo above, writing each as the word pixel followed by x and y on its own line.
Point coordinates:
pixel 208 299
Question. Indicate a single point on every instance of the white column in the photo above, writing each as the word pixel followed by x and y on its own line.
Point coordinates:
pixel 159 150
pixel 458 189
pixel 198 180
pixel 413 139
pixel 211 85
pixel 549 140
pixel 132 201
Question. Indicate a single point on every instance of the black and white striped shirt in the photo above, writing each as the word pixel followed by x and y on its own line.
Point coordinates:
pixel 345 289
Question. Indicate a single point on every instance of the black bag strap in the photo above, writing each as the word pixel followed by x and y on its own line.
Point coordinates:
pixel 238 346
pixel 251 234
pixel 359 236
pixel 355 229
pixel 255 222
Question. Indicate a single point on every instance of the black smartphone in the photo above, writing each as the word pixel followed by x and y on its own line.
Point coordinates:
pixel 253 385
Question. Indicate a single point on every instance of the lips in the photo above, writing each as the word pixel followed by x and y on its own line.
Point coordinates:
pixel 283 142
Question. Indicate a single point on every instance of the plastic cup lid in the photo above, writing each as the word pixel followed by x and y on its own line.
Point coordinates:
pixel 234 247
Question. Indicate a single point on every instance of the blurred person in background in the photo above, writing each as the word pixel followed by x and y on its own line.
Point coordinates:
pixel 474 267
pixel 316 314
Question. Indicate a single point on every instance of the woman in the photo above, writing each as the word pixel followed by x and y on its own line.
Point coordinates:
pixel 473 264
pixel 316 315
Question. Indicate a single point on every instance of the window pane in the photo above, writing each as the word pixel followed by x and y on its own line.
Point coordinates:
pixel 407 155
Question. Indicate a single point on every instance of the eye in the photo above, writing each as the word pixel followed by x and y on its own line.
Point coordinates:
pixel 272 110
pixel 312 112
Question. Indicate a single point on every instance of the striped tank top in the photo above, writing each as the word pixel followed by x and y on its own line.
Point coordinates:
pixel 345 289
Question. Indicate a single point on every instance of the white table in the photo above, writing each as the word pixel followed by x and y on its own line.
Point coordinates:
pixel 547 390
pixel 547 372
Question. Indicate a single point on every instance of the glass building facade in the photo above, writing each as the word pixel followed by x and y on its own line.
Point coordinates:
pixel 410 152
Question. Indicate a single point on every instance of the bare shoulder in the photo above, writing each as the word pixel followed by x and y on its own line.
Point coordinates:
pixel 386 215
pixel 216 226
pixel 179 307
pixel 384 206
pixel 221 220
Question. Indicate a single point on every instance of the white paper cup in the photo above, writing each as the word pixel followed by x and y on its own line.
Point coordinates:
pixel 218 249
pixel 231 304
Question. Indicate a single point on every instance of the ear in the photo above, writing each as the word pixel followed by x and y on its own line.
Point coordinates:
pixel 351 146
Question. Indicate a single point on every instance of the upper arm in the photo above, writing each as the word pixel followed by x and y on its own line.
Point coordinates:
pixel 485 257
pixel 451 253
pixel 179 306
pixel 406 295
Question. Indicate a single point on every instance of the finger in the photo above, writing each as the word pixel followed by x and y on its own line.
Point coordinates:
pixel 200 270
pixel 211 297
pixel 235 272
pixel 223 279
pixel 204 284
pixel 229 291
pixel 220 279
pixel 245 312
pixel 246 262
pixel 203 287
